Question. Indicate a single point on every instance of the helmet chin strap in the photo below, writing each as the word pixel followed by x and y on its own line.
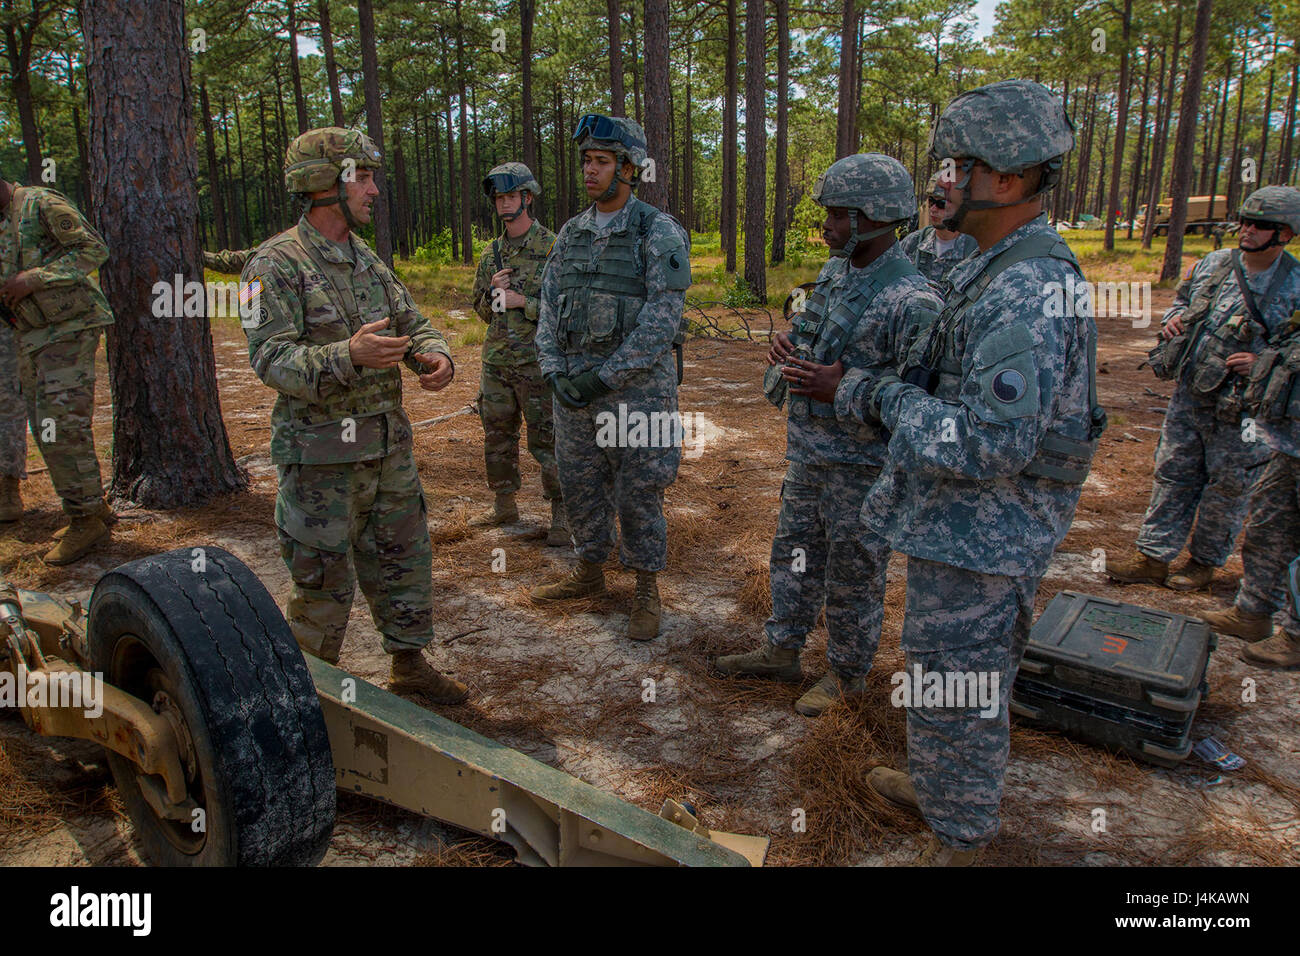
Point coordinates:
pixel 856 237
pixel 512 216
pixel 342 199
pixel 1274 241
pixel 953 222
pixel 618 178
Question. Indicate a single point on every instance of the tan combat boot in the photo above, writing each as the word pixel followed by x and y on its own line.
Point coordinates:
pixel 779 663
pixel 1279 652
pixel 895 787
pixel 103 511
pixel 585 580
pixel 11 500
pixel 1138 569
pixel 643 622
pixel 936 854
pixel 1192 576
pixel 81 535
pixel 557 536
pixel 826 691
pixel 502 512
pixel 1239 623
pixel 412 672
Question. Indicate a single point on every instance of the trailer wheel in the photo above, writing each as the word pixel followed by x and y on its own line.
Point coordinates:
pixel 194 633
pixel 1162 230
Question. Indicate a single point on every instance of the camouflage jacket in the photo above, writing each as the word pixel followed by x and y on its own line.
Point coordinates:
pixel 898 315
pixel 510 333
pixel 310 301
pixel 919 246
pixel 45 234
pixel 952 490
pixel 646 348
pixel 229 261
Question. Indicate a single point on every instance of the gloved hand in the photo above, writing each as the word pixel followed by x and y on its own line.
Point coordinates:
pixel 589 386
pixel 565 393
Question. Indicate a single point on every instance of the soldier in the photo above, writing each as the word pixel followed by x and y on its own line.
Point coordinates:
pixel 507 288
pixel 612 299
pixel 13 428
pixel 933 249
pixel 331 326
pixel 993 433
pixel 47 252
pixel 869 305
pixel 1206 464
pixel 1270 219
pixel 230 261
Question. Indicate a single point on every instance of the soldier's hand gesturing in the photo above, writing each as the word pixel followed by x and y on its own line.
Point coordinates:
pixel 369 350
pixel 17 288
pixel 441 371
pixel 782 348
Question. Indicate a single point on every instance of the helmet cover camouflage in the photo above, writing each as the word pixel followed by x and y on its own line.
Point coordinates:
pixel 618 134
pixel 877 184
pixel 1012 126
pixel 508 177
pixel 317 158
pixel 1274 204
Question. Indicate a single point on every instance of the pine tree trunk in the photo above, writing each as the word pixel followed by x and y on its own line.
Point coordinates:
pixel 375 125
pixel 1158 154
pixel 656 102
pixel 1262 166
pixel 1218 150
pixel 617 106
pixel 1234 170
pixel 846 120
pixel 231 192
pixel 169 440
pixel 331 67
pixel 1135 179
pixel 214 175
pixel 527 12
pixel 401 210
pixel 1182 173
pixel 453 219
pixel 300 104
pixel 781 175
pixel 636 63
pixel 688 160
pixel 1121 127
pixel 1283 174
pixel 755 149
pixel 466 235
pixel 729 136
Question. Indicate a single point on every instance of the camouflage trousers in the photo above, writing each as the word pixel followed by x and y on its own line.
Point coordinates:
pixel 508 395
pixel 615 458
pixel 1272 542
pixel 963 622
pixel 822 555
pixel 58 381
pixel 13 417
pixel 367 514
pixel 1204 473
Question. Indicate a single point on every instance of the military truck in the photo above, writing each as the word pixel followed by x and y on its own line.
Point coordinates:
pixel 1204 214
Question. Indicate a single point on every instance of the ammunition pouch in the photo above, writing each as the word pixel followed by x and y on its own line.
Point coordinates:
pixel 775 387
pixel 1271 393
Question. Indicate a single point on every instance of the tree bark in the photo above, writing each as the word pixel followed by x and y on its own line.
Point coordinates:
pixel 1283 174
pixel 170 447
pixel 214 174
pixel 1158 153
pixel 18 36
pixel 1234 170
pixel 846 123
pixel 467 240
pixel 375 125
pixel 1135 179
pixel 453 218
pixel 781 175
pixel 1262 166
pixel 1121 127
pixel 729 199
pixel 331 67
pixel 300 104
pixel 755 149
pixel 656 102
pixel 527 12
pixel 1182 172
pixel 636 64
pixel 1218 150
pixel 617 105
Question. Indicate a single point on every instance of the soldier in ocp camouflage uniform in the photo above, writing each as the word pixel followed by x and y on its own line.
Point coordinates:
pixel 1273 531
pixel 1206 462
pixel 330 326
pixel 993 433
pixel 933 249
pixel 870 305
pixel 229 261
pixel 612 300
pixel 13 428
pixel 507 288
pixel 47 252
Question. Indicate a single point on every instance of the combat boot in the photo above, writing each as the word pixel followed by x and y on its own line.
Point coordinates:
pixel 502 512
pixel 557 536
pixel 936 854
pixel 643 622
pixel 81 535
pixel 1239 623
pixel 412 672
pixel 103 511
pixel 1191 577
pixel 1279 652
pixel 11 500
pixel 779 663
pixel 587 579
pixel 828 690
pixel 1138 569
pixel 895 787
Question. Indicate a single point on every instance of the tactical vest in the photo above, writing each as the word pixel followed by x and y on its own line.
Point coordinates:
pixel 826 335
pixel 51 306
pixel 1059 457
pixel 377 390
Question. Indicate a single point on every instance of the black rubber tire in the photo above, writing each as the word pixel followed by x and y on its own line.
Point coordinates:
pixel 1162 230
pixel 216 642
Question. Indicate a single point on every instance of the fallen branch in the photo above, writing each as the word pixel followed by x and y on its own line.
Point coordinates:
pixel 469 409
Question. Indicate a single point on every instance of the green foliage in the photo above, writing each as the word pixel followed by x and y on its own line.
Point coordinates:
pixel 436 251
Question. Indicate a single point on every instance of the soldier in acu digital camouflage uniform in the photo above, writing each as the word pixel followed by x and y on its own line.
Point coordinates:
pixel 507 290
pixel 612 300
pixel 993 432
pixel 332 326
pixel 869 306
pixel 1206 462
pixel 1270 219
pixel 933 249
pixel 47 252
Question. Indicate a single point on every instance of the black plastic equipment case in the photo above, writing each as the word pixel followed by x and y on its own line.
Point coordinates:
pixel 1116 675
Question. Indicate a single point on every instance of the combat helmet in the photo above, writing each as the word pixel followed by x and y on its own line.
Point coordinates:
pixel 874 184
pixel 621 136
pixel 1279 205
pixel 1012 126
pixel 318 158
pixel 508 177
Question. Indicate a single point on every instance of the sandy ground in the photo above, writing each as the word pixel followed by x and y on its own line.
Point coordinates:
pixel 564 686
